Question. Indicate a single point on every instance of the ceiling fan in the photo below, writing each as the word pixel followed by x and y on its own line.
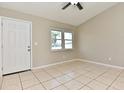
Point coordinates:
pixel 73 3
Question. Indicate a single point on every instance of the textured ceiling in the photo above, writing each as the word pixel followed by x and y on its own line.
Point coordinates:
pixel 53 11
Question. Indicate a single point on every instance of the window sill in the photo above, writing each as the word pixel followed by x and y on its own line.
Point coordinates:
pixel 61 50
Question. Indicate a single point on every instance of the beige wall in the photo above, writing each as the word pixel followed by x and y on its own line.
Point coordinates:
pixel 103 37
pixel 42 54
pixel 98 39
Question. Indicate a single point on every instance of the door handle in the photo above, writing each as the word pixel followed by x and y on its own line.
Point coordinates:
pixel 29 46
pixel 29 50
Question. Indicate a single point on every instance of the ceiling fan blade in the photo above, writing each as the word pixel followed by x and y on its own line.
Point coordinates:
pixel 79 6
pixel 68 4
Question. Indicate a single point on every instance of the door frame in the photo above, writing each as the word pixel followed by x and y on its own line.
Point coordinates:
pixel 0 54
pixel 1 43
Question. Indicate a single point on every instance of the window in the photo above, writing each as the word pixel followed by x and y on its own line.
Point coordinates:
pixel 68 40
pixel 56 39
pixel 61 40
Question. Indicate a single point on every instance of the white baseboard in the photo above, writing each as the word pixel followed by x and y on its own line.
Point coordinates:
pixel 53 64
pixel 108 65
pixel 82 60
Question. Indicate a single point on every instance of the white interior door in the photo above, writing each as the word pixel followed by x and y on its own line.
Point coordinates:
pixel 0 57
pixel 16 46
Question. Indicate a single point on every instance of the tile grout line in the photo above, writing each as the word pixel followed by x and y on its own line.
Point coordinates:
pixel 38 80
pixel 20 81
pixel 75 80
pixel 114 80
pixel 86 86
pixel 69 80
pixel 72 78
pixel 55 79
pixel 93 79
pixel 102 82
pixel 31 86
pixel 42 81
pixel 83 85
pixel 58 86
pixel 60 72
pixel 25 80
pixel 60 76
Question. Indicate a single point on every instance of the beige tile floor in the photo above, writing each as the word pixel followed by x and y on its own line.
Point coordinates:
pixel 67 76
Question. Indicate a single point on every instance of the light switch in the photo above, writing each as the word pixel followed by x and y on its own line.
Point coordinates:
pixel 109 59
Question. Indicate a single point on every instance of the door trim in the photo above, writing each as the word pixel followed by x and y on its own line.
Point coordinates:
pixel 20 20
pixel 0 48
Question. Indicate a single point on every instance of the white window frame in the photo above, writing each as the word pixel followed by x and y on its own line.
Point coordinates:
pixel 63 40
